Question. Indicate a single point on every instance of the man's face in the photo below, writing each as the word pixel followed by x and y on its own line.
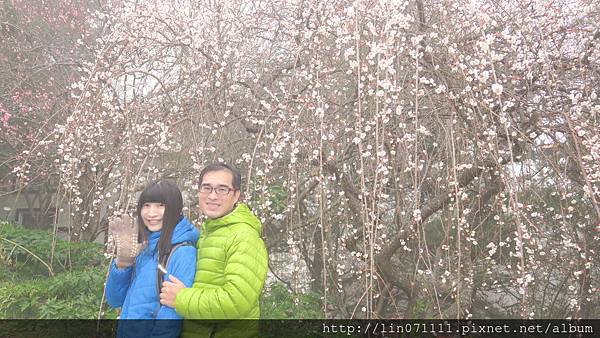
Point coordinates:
pixel 217 196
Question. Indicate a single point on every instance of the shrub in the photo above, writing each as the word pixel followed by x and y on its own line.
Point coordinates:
pixel 280 303
pixel 28 289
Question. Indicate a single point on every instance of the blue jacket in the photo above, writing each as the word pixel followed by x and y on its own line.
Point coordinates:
pixel 139 299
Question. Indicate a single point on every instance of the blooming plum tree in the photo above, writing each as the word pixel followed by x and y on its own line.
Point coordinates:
pixel 408 158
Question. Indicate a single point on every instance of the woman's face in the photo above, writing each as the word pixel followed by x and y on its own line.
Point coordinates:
pixel 152 215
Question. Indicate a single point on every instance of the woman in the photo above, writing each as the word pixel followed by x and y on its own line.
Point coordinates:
pixel 161 237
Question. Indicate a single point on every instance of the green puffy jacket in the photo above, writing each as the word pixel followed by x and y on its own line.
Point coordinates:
pixel 230 274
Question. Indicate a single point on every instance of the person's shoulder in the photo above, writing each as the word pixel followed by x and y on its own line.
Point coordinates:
pixel 185 231
pixel 244 215
pixel 242 227
pixel 183 251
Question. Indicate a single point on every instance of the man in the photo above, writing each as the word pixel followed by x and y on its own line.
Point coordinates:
pixel 232 262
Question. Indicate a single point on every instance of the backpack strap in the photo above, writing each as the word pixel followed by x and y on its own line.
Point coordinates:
pixel 159 274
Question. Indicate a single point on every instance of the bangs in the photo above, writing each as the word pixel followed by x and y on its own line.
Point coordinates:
pixel 153 194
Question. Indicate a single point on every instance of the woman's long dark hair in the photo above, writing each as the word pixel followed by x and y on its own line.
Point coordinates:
pixel 167 193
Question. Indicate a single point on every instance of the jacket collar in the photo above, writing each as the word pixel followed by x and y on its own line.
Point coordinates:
pixel 240 214
pixel 184 231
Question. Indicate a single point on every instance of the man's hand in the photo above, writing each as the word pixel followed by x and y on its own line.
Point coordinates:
pixel 169 291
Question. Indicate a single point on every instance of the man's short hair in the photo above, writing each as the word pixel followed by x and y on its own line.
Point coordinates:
pixel 220 166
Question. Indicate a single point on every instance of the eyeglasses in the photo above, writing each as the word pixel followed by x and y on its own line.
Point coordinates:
pixel 221 190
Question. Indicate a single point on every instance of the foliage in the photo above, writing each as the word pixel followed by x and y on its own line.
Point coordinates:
pixel 65 256
pixel 74 295
pixel 74 289
pixel 281 303
pixel 26 290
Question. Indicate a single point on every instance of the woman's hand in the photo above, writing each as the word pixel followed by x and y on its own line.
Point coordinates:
pixel 124 231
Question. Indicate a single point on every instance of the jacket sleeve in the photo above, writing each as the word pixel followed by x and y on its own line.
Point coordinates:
pixel 117 285
pixel 244 277
pixel 183 266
